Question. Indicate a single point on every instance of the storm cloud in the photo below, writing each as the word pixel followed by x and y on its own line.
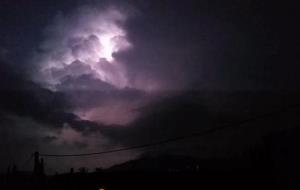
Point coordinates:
pixel 106 75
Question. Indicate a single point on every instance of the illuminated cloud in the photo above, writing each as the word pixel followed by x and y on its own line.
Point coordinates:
pixel 80 53
pixel 84 44
pixel 113 112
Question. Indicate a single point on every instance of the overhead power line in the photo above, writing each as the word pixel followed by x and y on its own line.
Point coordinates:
pixel 178 138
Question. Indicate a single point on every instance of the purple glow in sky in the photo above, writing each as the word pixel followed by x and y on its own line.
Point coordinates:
pixel 84 44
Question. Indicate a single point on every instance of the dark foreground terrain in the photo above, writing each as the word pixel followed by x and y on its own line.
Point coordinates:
pixel 239 179
pixel 272 165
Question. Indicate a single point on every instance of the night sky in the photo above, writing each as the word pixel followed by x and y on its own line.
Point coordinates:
pixel 87 76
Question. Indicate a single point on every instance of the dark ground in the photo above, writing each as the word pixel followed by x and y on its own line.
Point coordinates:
pixel 271 165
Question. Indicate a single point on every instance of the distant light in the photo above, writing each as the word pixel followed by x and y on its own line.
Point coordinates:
pixel 101 189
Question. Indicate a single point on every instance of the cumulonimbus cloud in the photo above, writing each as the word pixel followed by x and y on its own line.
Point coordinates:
pixel 80 53
pixel 84 43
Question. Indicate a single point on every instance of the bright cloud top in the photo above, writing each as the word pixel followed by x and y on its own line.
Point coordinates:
pixel 84 44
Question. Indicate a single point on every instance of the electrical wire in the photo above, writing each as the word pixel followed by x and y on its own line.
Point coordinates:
pixel 178 138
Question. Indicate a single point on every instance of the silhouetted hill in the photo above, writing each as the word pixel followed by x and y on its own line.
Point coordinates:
pixel 164 163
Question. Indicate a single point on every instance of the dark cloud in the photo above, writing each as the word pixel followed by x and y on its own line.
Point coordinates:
pixel 165 118
pixel 212 45
pixel 22 97
pixel 49 139
pixel 75 69
pixel 83 83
